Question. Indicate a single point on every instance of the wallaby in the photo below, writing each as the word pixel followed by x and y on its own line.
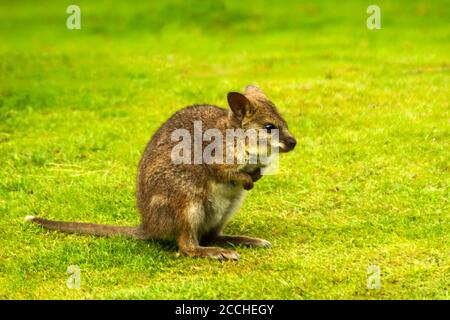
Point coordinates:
pixel 191 203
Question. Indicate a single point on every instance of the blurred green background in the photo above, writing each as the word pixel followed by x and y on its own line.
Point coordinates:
pixel 367 185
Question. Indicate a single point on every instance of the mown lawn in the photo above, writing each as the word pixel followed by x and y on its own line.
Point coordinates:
pixel 368 183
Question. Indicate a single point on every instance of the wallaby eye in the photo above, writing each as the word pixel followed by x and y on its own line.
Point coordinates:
pixel 269 127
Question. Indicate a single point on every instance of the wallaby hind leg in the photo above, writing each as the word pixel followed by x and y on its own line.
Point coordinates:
pixel 188 244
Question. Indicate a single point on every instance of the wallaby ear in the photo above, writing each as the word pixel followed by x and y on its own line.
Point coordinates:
pixel 239 104
pixel 253 90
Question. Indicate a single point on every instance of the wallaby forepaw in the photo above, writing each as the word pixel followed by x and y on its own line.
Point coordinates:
pixel 256 175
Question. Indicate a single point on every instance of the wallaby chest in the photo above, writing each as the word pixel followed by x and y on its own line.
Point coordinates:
pixel 223 200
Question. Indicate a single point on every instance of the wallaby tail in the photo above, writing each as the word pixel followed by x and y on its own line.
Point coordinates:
pixel 89 228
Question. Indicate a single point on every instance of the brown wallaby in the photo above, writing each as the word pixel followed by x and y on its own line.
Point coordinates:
pixel 191 203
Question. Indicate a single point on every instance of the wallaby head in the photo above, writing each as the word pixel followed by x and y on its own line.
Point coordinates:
pixel 253 110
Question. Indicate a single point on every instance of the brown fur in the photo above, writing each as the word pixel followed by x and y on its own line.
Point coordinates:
pixel 192 203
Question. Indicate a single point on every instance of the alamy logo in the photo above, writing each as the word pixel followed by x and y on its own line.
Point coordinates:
pixel 74 281
pixel 374 20
pixel 236 146
pixel 74 20
pixel 373 277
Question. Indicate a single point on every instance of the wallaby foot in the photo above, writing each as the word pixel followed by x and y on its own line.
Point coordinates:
pixel 240 241
pixel 211 252
pixel 191 248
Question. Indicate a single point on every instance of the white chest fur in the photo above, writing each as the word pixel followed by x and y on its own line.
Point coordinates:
pixel 224 199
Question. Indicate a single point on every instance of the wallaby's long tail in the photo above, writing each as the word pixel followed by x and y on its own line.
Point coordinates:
pixel 89 228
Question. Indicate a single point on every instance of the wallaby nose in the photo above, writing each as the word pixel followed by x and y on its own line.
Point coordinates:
pixel 291 143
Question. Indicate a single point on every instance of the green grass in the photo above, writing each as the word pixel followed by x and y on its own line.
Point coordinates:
pixel 367 185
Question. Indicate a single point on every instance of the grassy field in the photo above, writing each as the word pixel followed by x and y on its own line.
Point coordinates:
pixel 368 183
